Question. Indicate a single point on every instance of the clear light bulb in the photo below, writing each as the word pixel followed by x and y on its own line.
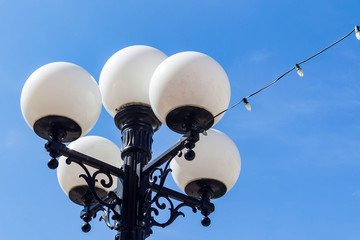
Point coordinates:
pixel 247 104
pixel 299 70
pixel 357 32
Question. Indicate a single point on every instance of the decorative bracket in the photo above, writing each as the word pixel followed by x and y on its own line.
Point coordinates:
pixel 151 174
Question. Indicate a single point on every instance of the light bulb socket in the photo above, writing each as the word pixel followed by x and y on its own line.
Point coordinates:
pixel 357 32
pixel 299 70
pixel 247 104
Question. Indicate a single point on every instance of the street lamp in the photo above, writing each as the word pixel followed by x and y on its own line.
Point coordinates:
pixel 140 87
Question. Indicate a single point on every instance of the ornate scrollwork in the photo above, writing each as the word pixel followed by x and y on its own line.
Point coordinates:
pixel 149 178
pixel 105 217
pixel 91 180
pixel 174 211
pixel 161 175
pixel 90 213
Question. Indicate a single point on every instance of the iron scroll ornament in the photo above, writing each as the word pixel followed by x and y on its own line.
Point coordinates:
pixel 174 211
pixel 110 204
pixel 87 215
pixel 91 180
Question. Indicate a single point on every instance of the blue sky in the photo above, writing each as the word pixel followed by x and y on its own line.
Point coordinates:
pixel 300 176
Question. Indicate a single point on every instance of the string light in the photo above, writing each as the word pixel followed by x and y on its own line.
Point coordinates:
pixel 299 70
pixel 247 104
pixel 357 32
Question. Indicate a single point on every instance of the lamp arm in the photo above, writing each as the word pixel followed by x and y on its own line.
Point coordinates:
pixel 200 204
pixel 191 137
pixel 59 149
pixel 166 194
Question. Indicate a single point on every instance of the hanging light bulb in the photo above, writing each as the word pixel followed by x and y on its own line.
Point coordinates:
pixel 299 70
pixel 357 32
pixel 247 104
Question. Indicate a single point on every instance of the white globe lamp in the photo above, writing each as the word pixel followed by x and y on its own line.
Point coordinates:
pixel 125 77
pixel 61 100
pixel 216 166
pixel 187 90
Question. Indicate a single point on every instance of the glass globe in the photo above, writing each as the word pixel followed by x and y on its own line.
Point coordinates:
pixel 61 97
pixel 125 77
pixel 216 166
pixel 187 90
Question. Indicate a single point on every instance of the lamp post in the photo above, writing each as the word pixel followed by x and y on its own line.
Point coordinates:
pixel 141 88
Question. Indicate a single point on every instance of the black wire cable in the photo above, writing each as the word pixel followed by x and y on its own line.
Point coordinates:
pixel 327 47
pixel 271 83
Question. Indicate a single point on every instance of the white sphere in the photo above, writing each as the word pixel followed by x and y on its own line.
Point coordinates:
pixel 125 77
pixel 217 159
pixel 93 146
pixel 61 89
pixel 189 79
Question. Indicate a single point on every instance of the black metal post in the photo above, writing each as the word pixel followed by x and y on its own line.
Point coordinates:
pixel 137 124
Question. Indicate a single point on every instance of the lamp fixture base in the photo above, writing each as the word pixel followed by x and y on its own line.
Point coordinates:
pixel 196 188
pixel 136 113
pixel 63 128
pixel 81 195
pixel 184 119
